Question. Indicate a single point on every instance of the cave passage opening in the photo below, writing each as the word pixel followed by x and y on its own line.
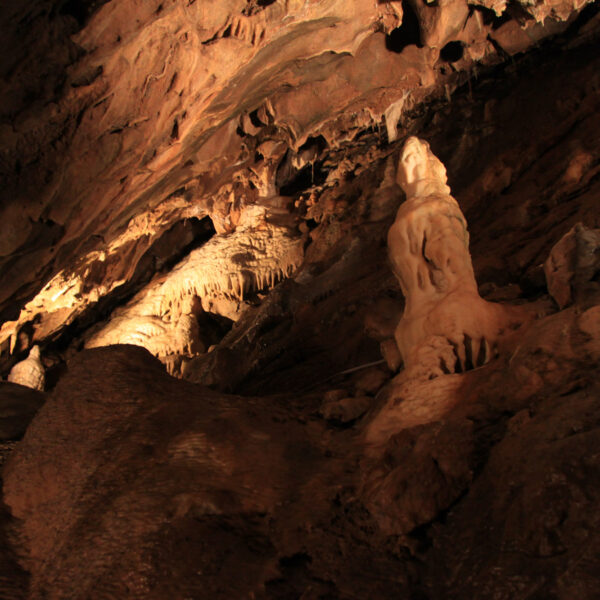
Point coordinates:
pixel 408 34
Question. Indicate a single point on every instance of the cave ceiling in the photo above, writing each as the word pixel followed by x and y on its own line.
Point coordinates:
pixel 133 131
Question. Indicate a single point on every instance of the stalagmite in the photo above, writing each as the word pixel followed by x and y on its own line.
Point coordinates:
pixel 29 372
pixel 446 326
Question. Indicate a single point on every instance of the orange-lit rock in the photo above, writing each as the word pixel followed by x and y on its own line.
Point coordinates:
pixel 161 159
pixel 29 372
pixel 162 318
pixel 136 106
pixel 446 327
pixel 573 266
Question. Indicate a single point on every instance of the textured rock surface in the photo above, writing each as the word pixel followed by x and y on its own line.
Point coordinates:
pixel 130 483
pixel 29 372
pixel 532 529
pixel 161 317
pixel 153 134
pixel 149 113
pixel 18 405
pixel 446 327
pixel 573 267
pixel 160 499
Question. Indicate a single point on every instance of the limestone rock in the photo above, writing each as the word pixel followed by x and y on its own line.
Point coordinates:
pixel 530 501
pixel 426 467
pixel 130 115
pixel 382 320
pixel 573 267
pixel 446 325
pixel 370 381
pixel 161 316
pixel 30 372
pixel 441 23
pixel 264 118
pixel 346 410
pixel 194 461
pixel 391 354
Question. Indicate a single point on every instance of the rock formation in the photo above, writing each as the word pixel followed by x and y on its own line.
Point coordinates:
pixel 446 326
pixel 29 372
pixel 18 405
pixel 196 112
pixel 573 267
pixel 213 183
pixel 162 316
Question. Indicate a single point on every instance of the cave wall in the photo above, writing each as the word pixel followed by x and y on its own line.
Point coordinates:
pixel 121 119
pixel 326 475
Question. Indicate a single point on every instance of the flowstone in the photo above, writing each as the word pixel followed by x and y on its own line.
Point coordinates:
pixel 162 317
pixel 446 326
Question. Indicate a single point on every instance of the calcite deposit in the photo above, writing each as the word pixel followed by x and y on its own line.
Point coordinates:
pixel 446 326
pixel 29 372
pixel 275 363
pixel 162 317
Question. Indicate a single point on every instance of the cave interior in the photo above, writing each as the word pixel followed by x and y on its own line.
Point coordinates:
pixel 300 299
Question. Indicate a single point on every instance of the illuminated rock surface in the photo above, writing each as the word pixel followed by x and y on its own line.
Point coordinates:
pixel 215 181
pixel 29 372
pixel 446 327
